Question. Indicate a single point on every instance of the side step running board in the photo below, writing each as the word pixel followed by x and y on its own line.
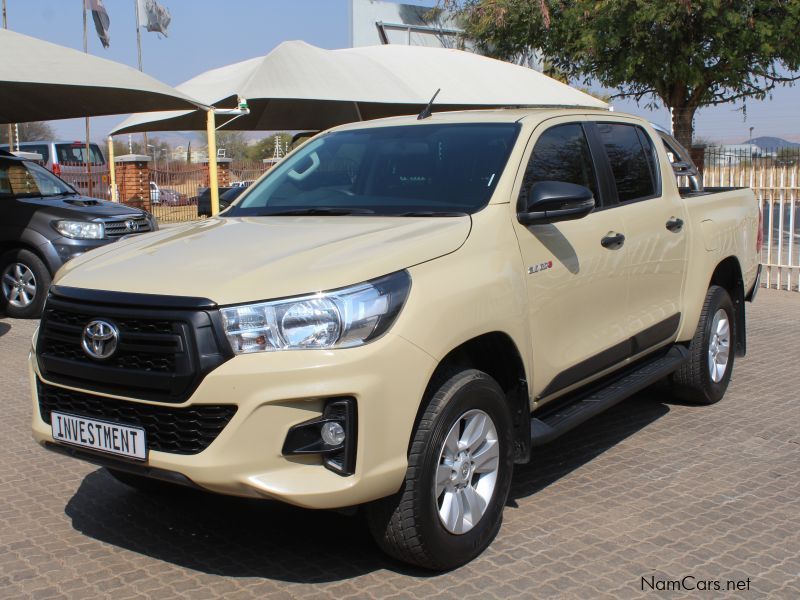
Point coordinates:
pixel 554 424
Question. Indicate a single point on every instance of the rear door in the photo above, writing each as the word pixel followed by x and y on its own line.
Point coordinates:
pixel 577 288
pixel 653 214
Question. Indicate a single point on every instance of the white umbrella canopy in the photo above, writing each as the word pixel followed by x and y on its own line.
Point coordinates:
pixel 299 86
pixel 40 81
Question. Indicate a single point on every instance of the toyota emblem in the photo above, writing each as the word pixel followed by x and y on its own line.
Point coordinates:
pixel 100 339
pixel 131 226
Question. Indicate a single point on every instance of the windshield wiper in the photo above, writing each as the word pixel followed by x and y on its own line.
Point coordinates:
pixel 319 210
pixel 432 213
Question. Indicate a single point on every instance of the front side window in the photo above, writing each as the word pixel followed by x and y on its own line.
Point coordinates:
pixel 632 159
pixel 561 154
pixel 417 170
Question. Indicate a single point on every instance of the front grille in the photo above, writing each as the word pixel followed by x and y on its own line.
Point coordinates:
pixel 162 354
pixel 169 429
pixel 126 226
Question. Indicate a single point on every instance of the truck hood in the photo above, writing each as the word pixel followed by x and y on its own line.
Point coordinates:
pixel 81 207
pixel 232 260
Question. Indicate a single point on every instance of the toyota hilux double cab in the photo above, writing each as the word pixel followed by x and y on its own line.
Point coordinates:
pixel 397 314
pixel 45 222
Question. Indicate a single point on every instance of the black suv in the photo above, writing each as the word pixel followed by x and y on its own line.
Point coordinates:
pixel 44 222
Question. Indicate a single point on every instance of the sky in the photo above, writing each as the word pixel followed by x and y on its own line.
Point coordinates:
pixel 205 34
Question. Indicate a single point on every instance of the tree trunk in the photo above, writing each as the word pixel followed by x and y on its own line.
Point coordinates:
pixel 682 124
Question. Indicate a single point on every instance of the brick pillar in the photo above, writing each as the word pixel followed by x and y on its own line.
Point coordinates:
pixel 133 180
pixel 698 154
pixel 223 172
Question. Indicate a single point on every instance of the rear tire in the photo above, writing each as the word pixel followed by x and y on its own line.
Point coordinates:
pixel 24 281
pixel 704 378
pixel 450 506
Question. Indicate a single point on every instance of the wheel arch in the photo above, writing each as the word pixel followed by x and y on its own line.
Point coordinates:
pixel 497 355
pixel 728 275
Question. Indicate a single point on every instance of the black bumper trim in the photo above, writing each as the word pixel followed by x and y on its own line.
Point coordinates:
pixel 121 464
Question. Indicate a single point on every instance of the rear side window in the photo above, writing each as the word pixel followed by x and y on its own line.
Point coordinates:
pixel 632 159
pixel 561 154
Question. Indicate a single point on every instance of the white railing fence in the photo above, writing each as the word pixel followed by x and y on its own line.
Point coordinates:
pixel 775 179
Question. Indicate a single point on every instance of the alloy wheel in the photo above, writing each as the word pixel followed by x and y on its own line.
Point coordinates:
pixel 467 471
pixel 19 285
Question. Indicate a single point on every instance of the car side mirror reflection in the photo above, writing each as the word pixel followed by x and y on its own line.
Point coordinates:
pixel 553 201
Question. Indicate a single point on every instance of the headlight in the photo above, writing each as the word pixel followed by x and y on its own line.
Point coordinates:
pixel 80 230
pixel 340 318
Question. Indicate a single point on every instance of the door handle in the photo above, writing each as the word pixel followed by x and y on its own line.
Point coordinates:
pixel 613 240
pixel 674 224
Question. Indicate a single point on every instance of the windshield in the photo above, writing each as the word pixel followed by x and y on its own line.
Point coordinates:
pixel 424 170
pixel 20 179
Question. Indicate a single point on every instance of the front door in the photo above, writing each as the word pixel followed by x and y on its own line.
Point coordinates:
pixel 577 287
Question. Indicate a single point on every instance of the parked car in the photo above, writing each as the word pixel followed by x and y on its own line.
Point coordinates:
pixel 67 159
pixel 396 314
pixel 45 223
pixel 155 193
pixel 173 198
pixel 226 197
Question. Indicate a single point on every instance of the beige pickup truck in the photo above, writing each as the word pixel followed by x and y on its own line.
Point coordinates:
pixel 396 314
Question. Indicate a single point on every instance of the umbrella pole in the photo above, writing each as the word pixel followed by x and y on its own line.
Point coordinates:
pixel 213 182
pixel 112 170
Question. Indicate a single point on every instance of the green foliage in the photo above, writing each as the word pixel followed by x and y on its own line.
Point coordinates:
pixel 29 132
pixel 234 143
pixel 265 147
pixel 687 53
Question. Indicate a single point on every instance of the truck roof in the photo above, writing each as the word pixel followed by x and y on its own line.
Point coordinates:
pixel 499 115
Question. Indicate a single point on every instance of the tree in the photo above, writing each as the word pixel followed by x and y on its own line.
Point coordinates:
pixel 686 53
pixel 122 147
pixel 265 147
pixel 233 142
pixel 29 132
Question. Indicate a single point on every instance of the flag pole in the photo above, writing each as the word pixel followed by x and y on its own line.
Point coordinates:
pixel 88 159
pixel 139 55
pixel 10 125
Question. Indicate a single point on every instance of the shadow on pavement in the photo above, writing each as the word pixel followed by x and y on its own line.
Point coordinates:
pixel 251 538
pixel 4 328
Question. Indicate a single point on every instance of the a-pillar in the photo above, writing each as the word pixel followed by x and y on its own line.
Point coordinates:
pixel 133 180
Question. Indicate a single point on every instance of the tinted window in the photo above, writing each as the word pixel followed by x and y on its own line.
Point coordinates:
pixel 76 153
pixel 28 147
pixel 436 168
pixel 561 154
pixel 632 158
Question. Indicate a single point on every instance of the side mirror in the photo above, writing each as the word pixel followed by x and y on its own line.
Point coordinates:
pixel 552 201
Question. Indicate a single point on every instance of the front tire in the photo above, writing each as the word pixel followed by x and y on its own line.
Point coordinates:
pixel 704 378
pixel 450 506
pixel 24 281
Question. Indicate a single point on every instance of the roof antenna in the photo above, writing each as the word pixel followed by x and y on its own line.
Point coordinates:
pixel 426 112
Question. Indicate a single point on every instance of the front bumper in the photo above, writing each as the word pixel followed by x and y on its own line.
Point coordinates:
pixel 275 391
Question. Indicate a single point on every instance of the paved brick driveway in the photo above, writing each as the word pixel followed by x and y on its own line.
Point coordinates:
pixel 651 489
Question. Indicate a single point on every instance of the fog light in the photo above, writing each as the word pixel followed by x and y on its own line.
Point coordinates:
pixel 332 433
